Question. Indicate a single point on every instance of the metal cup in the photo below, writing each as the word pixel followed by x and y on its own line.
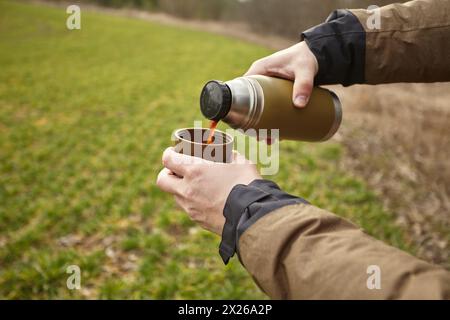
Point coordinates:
pixel 193 142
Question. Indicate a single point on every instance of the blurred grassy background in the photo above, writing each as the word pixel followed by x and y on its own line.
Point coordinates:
pixel 84 118
pixel 285 18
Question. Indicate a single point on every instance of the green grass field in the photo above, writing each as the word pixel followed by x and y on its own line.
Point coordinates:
pixel 84 118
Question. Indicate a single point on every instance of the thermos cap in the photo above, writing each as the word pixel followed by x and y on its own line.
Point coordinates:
pixel 215 100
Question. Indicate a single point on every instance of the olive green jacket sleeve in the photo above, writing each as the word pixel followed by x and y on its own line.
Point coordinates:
pixel 303 252
pixel 294 250
pixel 407 42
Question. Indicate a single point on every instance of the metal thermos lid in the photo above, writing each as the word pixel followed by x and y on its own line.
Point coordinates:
pixel 215 100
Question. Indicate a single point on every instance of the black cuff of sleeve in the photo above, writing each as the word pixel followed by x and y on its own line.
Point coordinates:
pixel 240 197
pixel 244 206
pixel 339 45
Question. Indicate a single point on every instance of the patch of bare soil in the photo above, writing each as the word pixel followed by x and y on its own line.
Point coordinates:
pixel 397 137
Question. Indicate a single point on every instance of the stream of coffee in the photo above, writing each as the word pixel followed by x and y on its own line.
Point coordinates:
pixel 212 128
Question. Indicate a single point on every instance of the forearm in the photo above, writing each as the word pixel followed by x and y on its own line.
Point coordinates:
pixel 298 251
pixel 411 43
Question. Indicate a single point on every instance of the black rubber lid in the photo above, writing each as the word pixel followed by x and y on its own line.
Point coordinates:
pixel 215 100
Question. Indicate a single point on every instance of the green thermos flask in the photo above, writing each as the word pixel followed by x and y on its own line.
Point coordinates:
pixel 261 102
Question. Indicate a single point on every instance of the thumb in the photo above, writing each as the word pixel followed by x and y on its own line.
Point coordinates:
pixel 303 85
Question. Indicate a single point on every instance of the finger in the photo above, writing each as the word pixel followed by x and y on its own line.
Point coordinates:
pixel 168 182
pixel 257 67
pixel 303 85
pixel 176 162
pixel 272 65
pixel 180 164
pixel 271 70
